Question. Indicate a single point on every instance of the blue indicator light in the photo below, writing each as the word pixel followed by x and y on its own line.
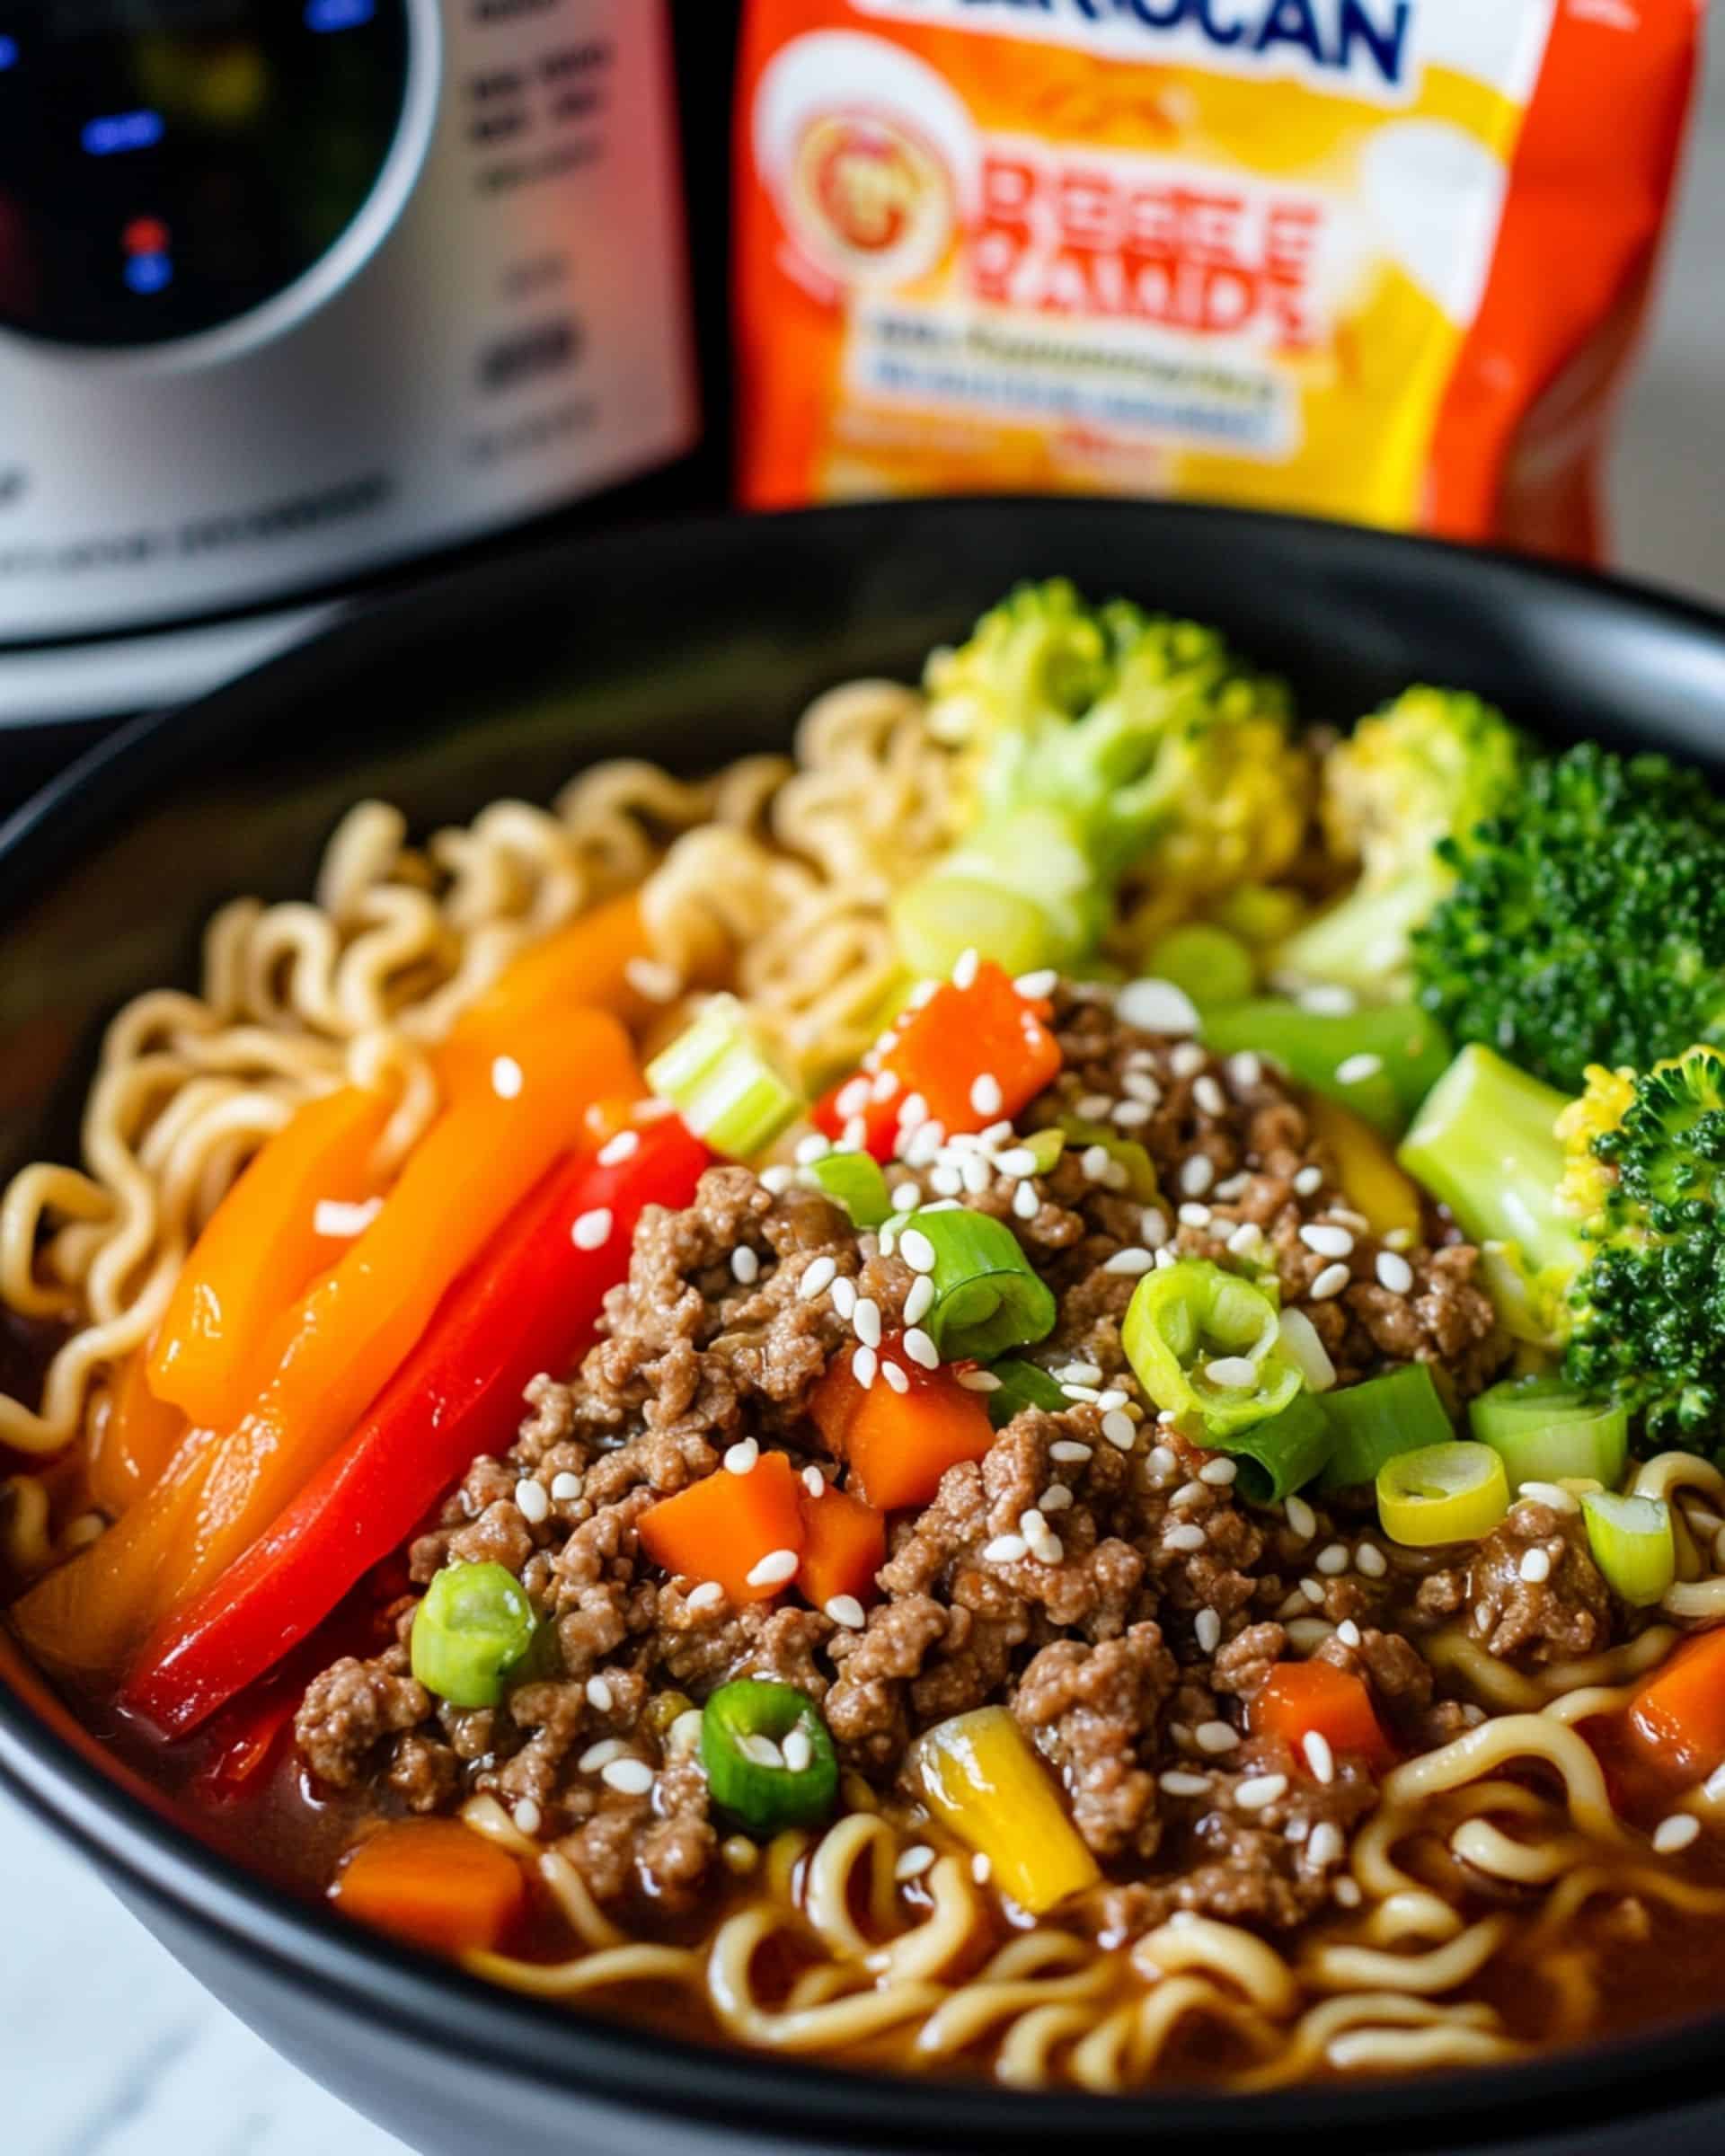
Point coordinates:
pixel 339 14
pixel 8 53
pixel 117 132
pixel 148 272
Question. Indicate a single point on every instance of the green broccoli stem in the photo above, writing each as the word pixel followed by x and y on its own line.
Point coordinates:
pixel 1484 1143
pixel 1362 941
pixel 1022 889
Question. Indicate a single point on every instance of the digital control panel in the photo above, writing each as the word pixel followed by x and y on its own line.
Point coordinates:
pixel 167 167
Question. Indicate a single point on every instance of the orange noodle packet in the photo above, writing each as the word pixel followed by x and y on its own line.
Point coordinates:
pixel 1379 260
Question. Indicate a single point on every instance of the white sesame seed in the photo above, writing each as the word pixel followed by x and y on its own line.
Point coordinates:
pixel 1187 1060
pixel 1675 1833
pixel 628 1777
pixel 1096 1162
pixel 1355 1070
pixel 1301 1517
pixel 1080 1374
pixel 1187 1537
pixel 1328 1283
pixel 1327 1241
pixel 1247 1238
pixel 843 1294
pixel 920 1301
pixel 527 1817
pixel 886 1084
pixel 1319 1757
pixel 912 1111
pixel 565 1487
pixel 1068 1449
pixel 853 1097
pixel 592 1231
pixel 740 1457
pixel 1245 1070
pixel 866 1321
pixel 1232 1373
pixel 897 1380
pixel 1328 999
pixel 812 1148
pixel 863 1365
pixel 1331 1560
pixel 1534 1566
pixel 1197 1173
pixel 1192 1217
pixel 777 1568
pixel 623 1147
pixel 1035 985
pixel 331 1217
pixel 1094 1107
pixel 1189 1493
pixel 913 1863
pixel 1209 1096
pixel 1109 1397
pixel 919 1348
pixel 776 1178
pixel 1313 1590
pixel 1216 1737
pixel 964 973
pixel 1308 1181
pixel 1026 1204
pixel 1550 1493
pixel 978 1380
pixel 798 1752
pixel 1120 1429
pixel 1394 1272
pixel 531 1502
pixel 1296 1829
pixel 506 1078
pixel 1005 1550
pixel 1208 1630
pixel 1346 1892
pixel 1016 1160
pixel 1154 1228
pixel 907 1197
pixel 1347 1632
pixel 1326 1846
pixel 845 1610
pixel 1129 1263
pixel 1259 1792
pixel 917 1250
pixel 1129 1115
pixel 745 1266
pixel 705 1595
pixel 817 1277
pixel 982 1868
pixel 1179 1784
pixel 814 1481
pixel 986 1096
pixel 1056 1497
pixel 1156 1007
pixel 1142 1088
pixel 600 1755
pixel 599 1694
pixel 1031 1524
pixel 1370 1560
pixel 1235 1186
pixel 1713 1787
pixel 1218 1474
pixel 761 1749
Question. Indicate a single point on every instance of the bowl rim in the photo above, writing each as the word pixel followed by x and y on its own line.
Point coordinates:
pixel 564 2048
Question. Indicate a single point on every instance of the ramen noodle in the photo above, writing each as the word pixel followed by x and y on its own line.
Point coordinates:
pixel 1379 260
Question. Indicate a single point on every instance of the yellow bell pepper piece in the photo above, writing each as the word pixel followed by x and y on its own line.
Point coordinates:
pixel 1370 1180
pixel 982 1780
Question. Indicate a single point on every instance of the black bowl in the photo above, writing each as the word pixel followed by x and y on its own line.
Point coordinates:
pixel 692 644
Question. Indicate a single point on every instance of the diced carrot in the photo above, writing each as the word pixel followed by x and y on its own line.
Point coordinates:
pixel 844 1546
pixel 435 1882
pixel 964 1038
pixel 722 1526
pixel 133 1442
pixel 1298 1700
pixel 1677 1720
pixel 900 1444
pixel 587 963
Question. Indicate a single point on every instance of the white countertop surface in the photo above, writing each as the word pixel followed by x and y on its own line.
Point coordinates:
pixel 107 2048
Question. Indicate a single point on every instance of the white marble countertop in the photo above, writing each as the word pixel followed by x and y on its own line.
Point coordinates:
pixel 174 2074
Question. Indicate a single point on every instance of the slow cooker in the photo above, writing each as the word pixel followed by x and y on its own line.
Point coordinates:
pixel 292 292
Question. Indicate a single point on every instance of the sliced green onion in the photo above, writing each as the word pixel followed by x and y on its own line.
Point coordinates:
pixel 1140 1183
pixel 1445 1493
pixel 721 1083
pixel 1547 1431
pixel 1282 1454
pixel 1023 1385
pixel 1046 1146
pixel 1207 1348
pixel 1633 1544
pixel 854 1181
pixel 1375 1422
pixel 1209 964
pixel 769 1760
pixel 1381 1062
pixel 936 920
pixel 987 1295
pixel 474 1625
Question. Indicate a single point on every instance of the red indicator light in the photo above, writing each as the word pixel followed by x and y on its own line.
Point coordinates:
pixel 145 235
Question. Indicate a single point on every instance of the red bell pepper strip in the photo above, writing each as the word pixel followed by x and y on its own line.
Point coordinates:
pixel 531 1303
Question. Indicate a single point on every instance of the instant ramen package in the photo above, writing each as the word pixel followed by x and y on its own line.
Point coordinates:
pixel 1381 260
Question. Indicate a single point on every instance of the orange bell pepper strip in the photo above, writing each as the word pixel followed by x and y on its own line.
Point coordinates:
pixel 259 1250
pixel 586 964
pixel 900 1444
pixel 722 1526
pixel 435 1882
pixel 342 1343
pixel 133 1442
pixel 844 1546
pixel 1676 1721
pixel 1298 1700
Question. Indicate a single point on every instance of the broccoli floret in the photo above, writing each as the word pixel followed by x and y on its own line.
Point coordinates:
pixel 1409 784
pixel 1098 742
pixel 1587 921
pixel 1602 1219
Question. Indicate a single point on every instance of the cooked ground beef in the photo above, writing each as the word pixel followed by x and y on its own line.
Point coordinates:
pixel 1094 1573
